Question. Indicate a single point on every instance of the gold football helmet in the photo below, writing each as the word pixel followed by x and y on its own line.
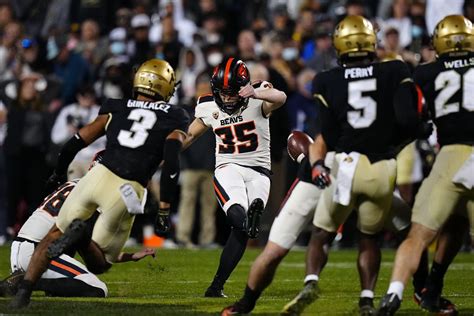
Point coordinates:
pixel 155 78
pixel 354 36
pixel 454 33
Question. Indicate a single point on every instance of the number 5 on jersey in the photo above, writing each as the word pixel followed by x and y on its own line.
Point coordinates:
pixel 237 138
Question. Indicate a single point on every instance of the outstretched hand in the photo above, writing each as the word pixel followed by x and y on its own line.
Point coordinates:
pixel 139 255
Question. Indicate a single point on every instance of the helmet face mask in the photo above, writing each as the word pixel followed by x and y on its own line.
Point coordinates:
pixel 155 79
pixel 453 35
pixel 227 79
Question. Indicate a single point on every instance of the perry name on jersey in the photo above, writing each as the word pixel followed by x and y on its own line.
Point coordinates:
pixel 242 138
pixel 357 107
pixel 44 217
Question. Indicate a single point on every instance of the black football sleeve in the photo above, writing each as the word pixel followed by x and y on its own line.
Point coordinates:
pixel 170 171
pixel 110 106
pixel 68 152
pixel 326 119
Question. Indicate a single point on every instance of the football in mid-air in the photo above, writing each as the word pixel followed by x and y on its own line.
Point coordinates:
pixel 298 145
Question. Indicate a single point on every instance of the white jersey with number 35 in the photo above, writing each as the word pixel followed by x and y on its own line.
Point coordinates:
pixel 242 138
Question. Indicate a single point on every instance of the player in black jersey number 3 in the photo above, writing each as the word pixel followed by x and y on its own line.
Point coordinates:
pixel 140 132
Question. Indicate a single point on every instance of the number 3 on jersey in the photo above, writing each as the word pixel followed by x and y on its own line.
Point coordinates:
pixel 143 120
pixel 232 134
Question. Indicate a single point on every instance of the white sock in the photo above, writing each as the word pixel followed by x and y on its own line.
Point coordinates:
pixel 397 288
pixel 311 277
pixel 367 293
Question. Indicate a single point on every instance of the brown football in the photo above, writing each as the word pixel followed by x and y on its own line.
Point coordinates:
pixel 298 144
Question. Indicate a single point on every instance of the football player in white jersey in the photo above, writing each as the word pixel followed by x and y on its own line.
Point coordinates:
pixel 238 113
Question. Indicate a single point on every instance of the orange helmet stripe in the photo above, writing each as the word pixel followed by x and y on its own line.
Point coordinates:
pixel 226 72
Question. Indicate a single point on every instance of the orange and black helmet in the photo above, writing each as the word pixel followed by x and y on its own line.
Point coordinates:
pixel 228 77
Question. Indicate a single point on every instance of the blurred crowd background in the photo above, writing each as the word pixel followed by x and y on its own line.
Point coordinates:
pixel 59 59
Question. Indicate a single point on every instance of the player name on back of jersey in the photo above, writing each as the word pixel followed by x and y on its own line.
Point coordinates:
pixel 459 63
pixel 158 106
pixel 359 72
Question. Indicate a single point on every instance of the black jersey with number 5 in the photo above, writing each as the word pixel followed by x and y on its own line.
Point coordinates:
pixel 448 88
pixel 136 133
pixel 357 109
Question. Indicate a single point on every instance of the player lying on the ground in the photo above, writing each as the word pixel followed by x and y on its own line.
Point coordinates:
pixel 140 132
pixel 65 275
pixel 238 113
pixel 447 86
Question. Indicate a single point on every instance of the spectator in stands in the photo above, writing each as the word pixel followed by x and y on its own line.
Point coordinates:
pixel 6 15
pixel 281 24
pixel 197 186
pixel 8 49
pixel 282 54
pixel 304 29
pixel 114 81
pixel 25 148
pixel 169 47
pixel 392 47
pixel 247 46
pixel 211 31
pixel 400 21
pixel 91 46
pixel 185 27
pixel 324 55
pixel 118 43
pixel 139 47
pixel 71 118
pixel 69 66
pixel 191 64
pixel 302 113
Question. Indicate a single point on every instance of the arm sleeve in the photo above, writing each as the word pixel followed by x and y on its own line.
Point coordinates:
pixel 405 103
pixel 109 106
pixel 326 121
pixel 170 170
pixel 68 152
pixel 183 121
pixel 202 113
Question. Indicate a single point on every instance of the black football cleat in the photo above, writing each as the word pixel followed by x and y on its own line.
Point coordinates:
pixel 214 292
pixel 437 304
pixel 21 299
pixel 389 304
pixel 434 304
pixel 74 232
pixel 236 309
pixel 366 306
pixel 253 217
pixel 308 295
pixel 9 286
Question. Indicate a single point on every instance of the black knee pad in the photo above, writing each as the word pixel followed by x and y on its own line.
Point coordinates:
pixel 236 217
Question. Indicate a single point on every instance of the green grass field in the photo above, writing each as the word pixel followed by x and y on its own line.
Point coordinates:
pixel 174 283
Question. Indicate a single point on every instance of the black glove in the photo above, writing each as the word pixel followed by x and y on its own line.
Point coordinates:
pixel 163 223
pixel 424 130
pixel 320 174
pixel 54 181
